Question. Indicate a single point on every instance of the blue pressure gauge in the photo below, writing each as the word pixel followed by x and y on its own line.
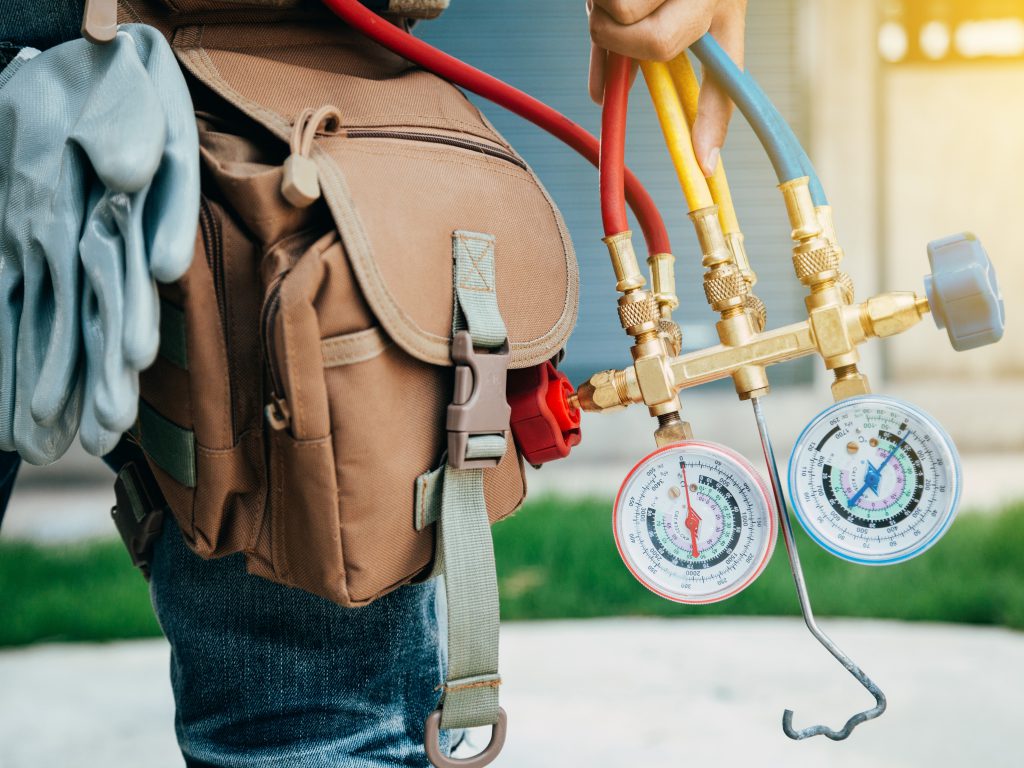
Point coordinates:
pixel 874 480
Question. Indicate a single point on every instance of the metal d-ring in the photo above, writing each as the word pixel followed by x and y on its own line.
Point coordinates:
pixel 805 608
pixel 432 743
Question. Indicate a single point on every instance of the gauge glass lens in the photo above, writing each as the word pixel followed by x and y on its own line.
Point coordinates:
pixel 693 522
pixel 874 480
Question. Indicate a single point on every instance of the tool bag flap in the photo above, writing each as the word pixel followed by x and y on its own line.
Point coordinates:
pixel 390 176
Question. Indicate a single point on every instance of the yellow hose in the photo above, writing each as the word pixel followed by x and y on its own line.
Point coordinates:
pixel 677 134
pixel 688 88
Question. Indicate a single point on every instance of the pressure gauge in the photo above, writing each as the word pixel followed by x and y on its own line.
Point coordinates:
pixel 693 522
pixel 874 480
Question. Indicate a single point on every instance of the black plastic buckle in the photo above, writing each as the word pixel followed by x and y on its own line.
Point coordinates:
pixel 138 515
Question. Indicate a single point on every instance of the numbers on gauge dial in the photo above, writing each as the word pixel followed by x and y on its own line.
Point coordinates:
pixel 693 523
pixel 874 480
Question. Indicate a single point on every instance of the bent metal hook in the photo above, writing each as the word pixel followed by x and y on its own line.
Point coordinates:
pixel 805 607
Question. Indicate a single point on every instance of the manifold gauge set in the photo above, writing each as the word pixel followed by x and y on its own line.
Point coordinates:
pixel 871 479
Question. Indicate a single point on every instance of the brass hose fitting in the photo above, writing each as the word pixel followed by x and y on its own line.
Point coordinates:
pixel 627 271
pixel 815 258
pixel 663 282
pixel 724 285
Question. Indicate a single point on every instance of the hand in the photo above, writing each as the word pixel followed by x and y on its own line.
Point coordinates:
pixel 659 30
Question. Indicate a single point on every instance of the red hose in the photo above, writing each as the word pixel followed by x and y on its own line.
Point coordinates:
pixel 613 145
pixel 512 99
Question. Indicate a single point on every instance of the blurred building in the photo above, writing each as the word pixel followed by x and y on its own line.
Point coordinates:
pixel 913 112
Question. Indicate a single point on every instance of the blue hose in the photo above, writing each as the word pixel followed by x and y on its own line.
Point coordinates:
pixel 787 156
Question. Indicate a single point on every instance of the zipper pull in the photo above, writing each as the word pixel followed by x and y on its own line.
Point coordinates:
pixel 279 416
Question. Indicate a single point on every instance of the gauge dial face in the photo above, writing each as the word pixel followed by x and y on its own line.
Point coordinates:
pixel 874 480
pixel 693 523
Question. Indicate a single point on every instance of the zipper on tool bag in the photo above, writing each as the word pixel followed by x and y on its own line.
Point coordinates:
pixel 435 138
pixel 213 242
pixel 278 414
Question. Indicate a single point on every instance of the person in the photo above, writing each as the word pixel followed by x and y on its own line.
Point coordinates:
pixel 264 675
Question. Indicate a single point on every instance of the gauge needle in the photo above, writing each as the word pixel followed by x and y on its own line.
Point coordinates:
pixel 692 521
pixel 874 474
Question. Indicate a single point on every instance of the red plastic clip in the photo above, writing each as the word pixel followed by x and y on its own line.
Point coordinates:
pixel 543 423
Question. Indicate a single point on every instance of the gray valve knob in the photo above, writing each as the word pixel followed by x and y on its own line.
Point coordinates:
pixel 963 292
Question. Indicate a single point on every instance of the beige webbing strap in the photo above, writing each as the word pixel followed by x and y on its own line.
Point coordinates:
pixel 465 548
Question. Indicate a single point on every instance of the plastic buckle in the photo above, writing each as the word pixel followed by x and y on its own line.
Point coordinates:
pixel 478 406
pixel 544 425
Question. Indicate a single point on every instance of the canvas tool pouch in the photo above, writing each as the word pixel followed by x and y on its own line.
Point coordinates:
pixel 299 404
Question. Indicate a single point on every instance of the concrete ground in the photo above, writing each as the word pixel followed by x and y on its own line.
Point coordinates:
pixel 604 694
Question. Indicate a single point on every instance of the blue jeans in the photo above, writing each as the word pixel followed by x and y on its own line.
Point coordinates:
pixel 40 25
pixel 265 675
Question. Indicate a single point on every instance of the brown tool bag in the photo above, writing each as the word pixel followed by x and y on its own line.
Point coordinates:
pixel 299 409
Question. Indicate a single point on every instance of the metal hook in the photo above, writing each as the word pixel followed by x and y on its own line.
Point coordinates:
pixel 805 607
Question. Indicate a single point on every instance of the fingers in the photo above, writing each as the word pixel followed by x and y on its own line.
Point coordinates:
pixel 628 11
pixel 660 35
pixel 714 108
pixel 598 68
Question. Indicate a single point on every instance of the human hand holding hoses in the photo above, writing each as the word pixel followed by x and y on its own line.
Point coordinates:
pixel 659 30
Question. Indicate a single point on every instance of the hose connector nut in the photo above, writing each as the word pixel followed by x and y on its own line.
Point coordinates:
pixel 638 313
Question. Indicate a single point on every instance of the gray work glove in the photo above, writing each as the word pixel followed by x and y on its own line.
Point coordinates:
pixel 106 199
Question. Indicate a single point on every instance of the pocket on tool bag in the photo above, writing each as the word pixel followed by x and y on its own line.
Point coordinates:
pixel 352 421
pixel 200 411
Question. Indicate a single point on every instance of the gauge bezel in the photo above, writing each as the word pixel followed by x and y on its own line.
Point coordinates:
pixel 845 554
pixel 760 486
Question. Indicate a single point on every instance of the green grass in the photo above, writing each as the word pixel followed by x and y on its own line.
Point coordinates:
pixel 557 559
pixel 72 593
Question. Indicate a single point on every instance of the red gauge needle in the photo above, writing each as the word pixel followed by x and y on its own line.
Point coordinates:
pixel 692 521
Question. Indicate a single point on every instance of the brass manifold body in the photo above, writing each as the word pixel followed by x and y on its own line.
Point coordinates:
pixel 834 328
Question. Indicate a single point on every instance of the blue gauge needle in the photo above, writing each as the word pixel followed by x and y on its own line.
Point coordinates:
pixel 874 475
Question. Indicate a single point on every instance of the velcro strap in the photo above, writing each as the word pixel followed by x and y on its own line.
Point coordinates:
pixel 173 339
pixel 172 448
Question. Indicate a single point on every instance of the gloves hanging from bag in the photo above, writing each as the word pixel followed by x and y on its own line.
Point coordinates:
pixel 99 197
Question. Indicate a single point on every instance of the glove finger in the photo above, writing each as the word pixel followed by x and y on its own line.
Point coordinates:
pixel 121 127
pixel 106 411
pixel 111 384
pixel 52 290
pixel 95 438
pixel 141 338
pixel 10 316
pixel 44 445
pixel 172 207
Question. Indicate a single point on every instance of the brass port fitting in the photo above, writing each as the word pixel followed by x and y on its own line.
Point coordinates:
pixel 849 382
pixel 672 336
pixel 892 313
pixel 608 391
pixel 758 312
pixel 672 429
